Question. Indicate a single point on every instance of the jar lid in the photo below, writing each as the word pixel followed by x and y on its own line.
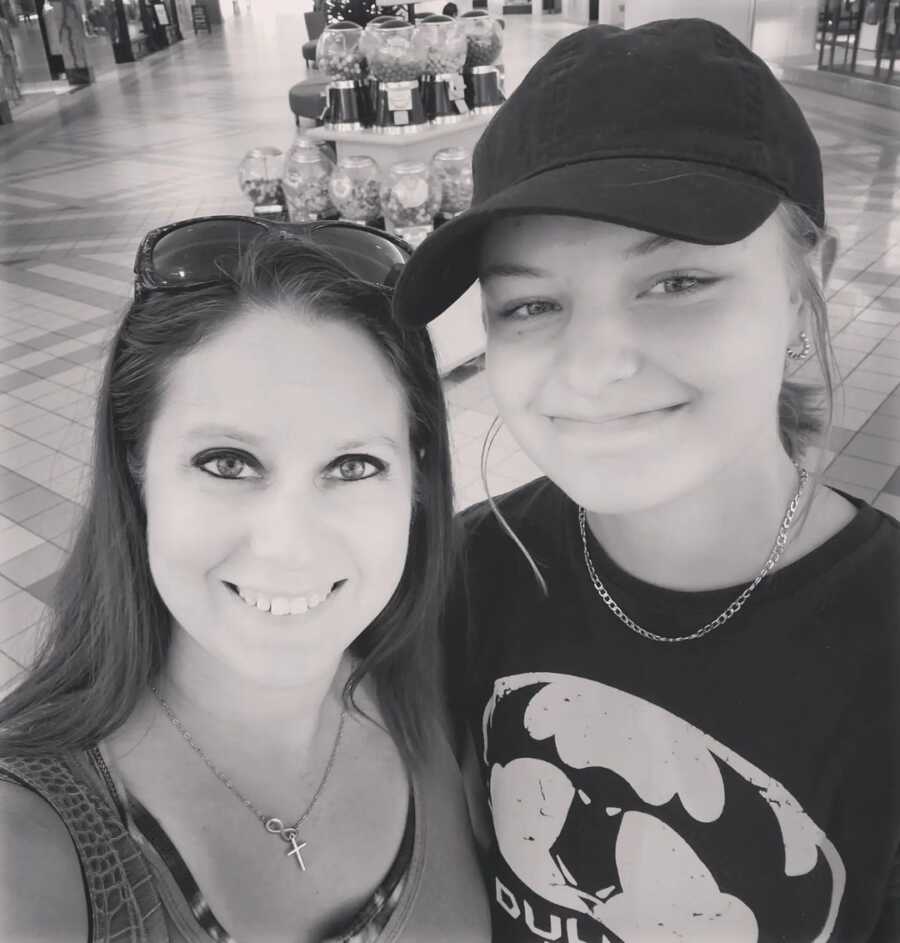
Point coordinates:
pixel 259 152
pixel 346 25
pixel 409 167
pixel 356 161
pixel 452 153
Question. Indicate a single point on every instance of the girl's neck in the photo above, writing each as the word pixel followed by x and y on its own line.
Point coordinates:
pixel 716 536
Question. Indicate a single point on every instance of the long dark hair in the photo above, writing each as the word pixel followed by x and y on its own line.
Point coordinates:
pixel 110 630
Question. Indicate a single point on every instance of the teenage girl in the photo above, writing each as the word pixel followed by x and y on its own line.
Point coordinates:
pixel 680 671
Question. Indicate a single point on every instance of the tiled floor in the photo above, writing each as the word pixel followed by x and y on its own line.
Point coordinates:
pixel 85 177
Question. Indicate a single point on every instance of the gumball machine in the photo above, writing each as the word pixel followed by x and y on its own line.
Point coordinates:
pixel 367 45
pixel 259 176
pixel 396 61
pixel 339 56
pixel 307 172
pixel 484 36
pixel 354 187
pixel 443 88
pixel 452 167
pixel 410 198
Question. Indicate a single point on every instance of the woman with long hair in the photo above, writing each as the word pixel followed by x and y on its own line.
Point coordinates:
pixel 231 732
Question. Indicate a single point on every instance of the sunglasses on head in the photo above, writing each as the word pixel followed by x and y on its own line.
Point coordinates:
pixel 202 252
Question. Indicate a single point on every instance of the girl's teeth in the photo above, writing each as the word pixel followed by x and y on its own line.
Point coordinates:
pixel 298 607
pixel 282 605
pixel 314 600
pixel 263 605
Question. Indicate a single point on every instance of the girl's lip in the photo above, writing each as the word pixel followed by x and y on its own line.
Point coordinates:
pixel 617 417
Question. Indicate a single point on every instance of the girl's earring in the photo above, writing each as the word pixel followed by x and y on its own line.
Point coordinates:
pixel 803 352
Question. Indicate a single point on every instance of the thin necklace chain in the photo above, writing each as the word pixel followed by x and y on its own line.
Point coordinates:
pixel 272 824
pixel 736 605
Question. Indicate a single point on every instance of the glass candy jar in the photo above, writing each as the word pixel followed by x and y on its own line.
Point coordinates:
pixel 259 176
pixel 396 61
pixel 484 37
pixel 443 89
pixel 410 198
pixel 339 56
pixel 307 172
pixel 354 188
pixel 453 169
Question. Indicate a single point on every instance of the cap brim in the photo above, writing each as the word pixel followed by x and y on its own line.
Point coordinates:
pixel 692 202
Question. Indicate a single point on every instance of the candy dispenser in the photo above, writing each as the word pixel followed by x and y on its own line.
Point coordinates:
pixel 307 171
pixel 485 43
pixel 396 61
pixel 339 56
pixel 367 46
pixel 410 198
pixel 354 188
pixel 453 169
pixel 443 87
pixel 259 176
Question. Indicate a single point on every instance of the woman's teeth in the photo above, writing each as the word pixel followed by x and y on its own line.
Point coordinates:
pixel 284 605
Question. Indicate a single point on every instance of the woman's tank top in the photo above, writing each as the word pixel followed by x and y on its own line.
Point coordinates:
pixel 138 889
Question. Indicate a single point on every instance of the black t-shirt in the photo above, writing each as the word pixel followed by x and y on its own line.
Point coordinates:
pixel 741 787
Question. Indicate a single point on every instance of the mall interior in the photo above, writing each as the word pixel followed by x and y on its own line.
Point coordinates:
pixel 119 116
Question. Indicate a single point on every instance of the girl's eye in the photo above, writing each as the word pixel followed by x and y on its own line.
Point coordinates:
pixel 231 465
pixel 679 285
pixel 528 310
pixel 355 468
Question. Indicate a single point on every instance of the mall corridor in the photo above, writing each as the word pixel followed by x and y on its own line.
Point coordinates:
pixel 84 176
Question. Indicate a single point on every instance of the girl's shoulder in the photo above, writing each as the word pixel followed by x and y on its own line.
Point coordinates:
pixel 41 889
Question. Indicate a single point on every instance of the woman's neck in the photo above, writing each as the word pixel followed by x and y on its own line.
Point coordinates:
pixel 719 535
pixel 236 712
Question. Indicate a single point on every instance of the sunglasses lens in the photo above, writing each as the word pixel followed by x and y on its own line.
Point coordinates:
pixel 201 252
pixel 369 256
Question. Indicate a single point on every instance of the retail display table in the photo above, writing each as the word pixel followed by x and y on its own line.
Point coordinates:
pixel 387 149
pixel 458 334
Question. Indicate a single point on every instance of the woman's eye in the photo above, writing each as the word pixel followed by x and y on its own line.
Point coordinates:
pixel 679 284
pixel 527 310
pixel 355 468
pixel 227 465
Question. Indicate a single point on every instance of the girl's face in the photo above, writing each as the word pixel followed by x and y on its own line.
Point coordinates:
pixel 278 488
pixel 629 367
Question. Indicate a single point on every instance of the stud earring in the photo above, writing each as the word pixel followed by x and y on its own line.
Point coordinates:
pixel 803 352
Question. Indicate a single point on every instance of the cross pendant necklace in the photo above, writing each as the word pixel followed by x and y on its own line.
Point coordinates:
pixel 273 825
pixel 288 833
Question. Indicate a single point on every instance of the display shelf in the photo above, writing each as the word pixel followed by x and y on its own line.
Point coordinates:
pixel 458 334
pixel 387 149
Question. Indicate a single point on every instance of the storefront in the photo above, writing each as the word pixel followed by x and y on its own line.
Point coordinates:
pixel 46 46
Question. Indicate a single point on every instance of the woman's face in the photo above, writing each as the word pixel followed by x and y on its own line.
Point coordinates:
pixel 278 486
pixel 631 368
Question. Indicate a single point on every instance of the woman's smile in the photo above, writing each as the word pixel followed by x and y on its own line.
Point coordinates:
pixel 285 604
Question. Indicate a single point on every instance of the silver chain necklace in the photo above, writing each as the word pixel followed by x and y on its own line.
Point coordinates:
pixel 732 610
pixel 273 825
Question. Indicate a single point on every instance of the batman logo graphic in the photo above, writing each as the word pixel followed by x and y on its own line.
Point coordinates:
pixel 627 821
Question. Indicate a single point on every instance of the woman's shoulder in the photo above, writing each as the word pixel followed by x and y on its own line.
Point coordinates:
pixel 41 889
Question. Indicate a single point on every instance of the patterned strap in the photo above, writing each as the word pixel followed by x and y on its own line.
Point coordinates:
pixel 124 906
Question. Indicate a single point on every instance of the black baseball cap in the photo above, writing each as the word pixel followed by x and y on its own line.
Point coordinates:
pixel 674 127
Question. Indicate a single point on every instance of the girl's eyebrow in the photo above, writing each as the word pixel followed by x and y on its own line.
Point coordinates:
pixel 511 270
pixel 648 245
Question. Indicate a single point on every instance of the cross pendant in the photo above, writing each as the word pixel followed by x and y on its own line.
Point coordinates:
pixel 296 848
